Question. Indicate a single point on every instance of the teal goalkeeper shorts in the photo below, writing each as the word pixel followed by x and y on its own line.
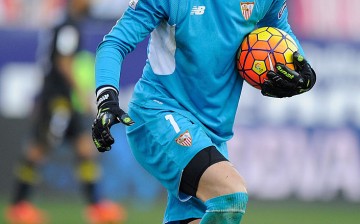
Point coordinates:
pixel 164 142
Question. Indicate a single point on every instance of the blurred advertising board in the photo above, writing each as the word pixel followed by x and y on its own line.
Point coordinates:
pixel 307 146
pixel 333 19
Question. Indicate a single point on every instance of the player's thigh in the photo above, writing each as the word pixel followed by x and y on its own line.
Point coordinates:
pixel 209 174
pixel 164 142
pixel 219 179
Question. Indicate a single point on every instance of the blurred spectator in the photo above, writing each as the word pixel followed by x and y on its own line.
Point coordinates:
pixel 43 13
pixel 9 11
pixel 30 13
pixel 63 114
pixel 108 9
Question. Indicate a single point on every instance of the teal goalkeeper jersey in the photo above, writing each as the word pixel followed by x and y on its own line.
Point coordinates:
pixel 191 65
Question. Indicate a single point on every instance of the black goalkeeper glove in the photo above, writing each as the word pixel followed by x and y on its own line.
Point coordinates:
pixel 109 113
pixel 285 82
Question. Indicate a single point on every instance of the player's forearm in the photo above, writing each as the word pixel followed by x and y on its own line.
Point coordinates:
pixel 120 41
pixel 107 66
pixel 109 57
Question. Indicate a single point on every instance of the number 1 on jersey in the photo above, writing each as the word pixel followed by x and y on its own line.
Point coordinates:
pixel 170 118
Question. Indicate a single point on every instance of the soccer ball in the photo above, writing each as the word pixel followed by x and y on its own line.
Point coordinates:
pixel 261 50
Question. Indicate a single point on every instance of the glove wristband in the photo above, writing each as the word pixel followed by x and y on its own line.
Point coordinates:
pixel 106 95
pixel 100 89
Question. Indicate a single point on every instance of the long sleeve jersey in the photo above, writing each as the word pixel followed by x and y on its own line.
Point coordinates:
pixel 191 65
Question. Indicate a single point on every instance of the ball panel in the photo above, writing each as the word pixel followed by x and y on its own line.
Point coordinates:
pixel 244 46
pixel 252 78
pixel 259 54
pixel 259 30
pixel 265 36
pixel 239 62
pixel 270 63
pixel 291 66
pixel 289 38
pixel 259 67
pixel 281 47
pixel 262 45
pixel 274 41
pixel 275 32
pixel 251 40
pixel 288 54
pixel 291 45
pixel 279 58
pixel 248 60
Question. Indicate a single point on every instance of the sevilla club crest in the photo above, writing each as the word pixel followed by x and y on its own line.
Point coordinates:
pixel 247 9
pixel 184 139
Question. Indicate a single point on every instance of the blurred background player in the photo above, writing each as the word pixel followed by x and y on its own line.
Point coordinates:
pixel 63 112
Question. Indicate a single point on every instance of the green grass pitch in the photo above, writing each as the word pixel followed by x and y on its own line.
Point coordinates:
pixel 70 211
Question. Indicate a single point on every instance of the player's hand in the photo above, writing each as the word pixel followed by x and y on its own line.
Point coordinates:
pixel 285 82
pixel 109 113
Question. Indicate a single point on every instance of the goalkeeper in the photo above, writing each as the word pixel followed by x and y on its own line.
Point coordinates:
pixel 182 111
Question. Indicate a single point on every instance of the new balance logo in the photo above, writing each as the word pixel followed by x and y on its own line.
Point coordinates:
pixel 133 3
pixel 197 10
